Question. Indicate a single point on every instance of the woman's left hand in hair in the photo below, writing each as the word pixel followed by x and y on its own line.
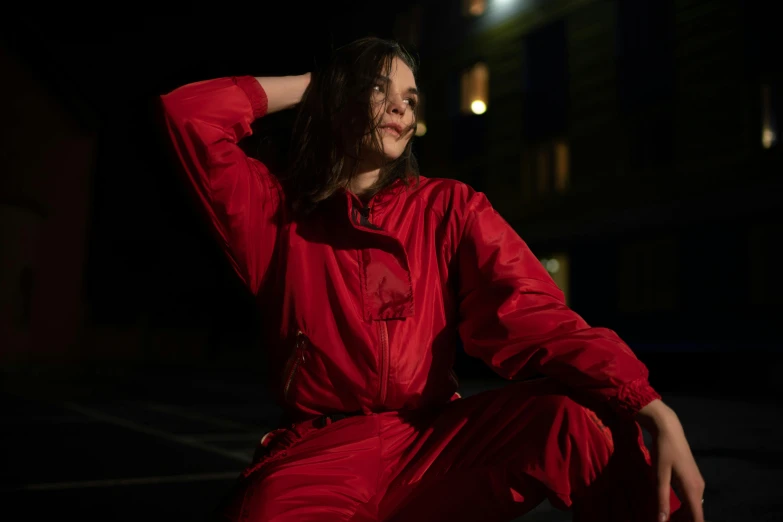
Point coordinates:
pixel 673 461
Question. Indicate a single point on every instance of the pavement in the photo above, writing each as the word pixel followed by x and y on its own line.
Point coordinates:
pixel 165 444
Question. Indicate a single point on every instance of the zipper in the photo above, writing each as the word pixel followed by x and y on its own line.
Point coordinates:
pixel 361 217
pixel 294 362
pixel 383 334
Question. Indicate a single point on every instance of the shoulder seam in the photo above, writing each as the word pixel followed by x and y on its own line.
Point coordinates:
pixel 438 212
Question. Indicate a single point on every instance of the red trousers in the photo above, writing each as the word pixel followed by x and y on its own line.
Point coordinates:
pixel 493 456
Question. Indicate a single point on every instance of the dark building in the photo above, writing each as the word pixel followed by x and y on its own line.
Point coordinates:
pixel 632 143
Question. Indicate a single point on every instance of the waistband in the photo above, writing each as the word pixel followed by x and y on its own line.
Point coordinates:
pixel 318 422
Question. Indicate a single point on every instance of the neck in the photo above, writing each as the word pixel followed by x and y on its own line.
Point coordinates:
pixel 363 181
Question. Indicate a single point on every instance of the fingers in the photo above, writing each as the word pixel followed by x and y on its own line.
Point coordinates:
pixel 693 491
pixel 664 491
pixel 690 487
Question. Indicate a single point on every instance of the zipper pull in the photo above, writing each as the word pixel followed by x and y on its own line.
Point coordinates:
pixel 300 345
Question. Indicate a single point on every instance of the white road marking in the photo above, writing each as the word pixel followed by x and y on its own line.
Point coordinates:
pixel 45 419
pixel 117 421
pixel 230 437
pixel 137 481
pixel 173 410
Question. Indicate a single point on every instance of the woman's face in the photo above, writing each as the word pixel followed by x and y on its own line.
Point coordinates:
pixel 393 100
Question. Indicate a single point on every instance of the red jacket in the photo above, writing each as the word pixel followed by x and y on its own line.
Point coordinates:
pixel 363 305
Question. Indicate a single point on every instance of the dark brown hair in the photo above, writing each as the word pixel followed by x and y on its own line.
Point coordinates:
pixel 334 120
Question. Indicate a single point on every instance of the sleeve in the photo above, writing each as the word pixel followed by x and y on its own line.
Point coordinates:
pixel 514 317
pixel 205 121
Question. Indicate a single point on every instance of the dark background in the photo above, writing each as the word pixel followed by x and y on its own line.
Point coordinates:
pixel 117 304
pixel 149 266
pixel 147 254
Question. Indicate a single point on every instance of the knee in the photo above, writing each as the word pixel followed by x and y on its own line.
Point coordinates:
pixel 550 400
pixel 570 419
pixel 571 444
pixel 559 408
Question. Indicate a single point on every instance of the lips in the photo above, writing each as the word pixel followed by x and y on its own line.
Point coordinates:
pixel 394 127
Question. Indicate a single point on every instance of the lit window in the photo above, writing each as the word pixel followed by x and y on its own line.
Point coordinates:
pixel 562 165
pixel 551 165
pixel 769 128
pixel 558 268
pixel 475 89
pixel 474 7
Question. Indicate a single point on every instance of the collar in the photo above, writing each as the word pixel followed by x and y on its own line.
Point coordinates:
pixel 380 199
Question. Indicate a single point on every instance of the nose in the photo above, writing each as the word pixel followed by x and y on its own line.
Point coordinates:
pixel 396 105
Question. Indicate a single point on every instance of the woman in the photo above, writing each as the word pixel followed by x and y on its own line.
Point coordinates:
pixel 369 272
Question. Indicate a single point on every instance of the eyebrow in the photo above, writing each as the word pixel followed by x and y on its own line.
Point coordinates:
pixel 410 90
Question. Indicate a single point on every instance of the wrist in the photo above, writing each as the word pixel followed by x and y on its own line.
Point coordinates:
pixel 304 82
pixel 283 92
pixel 656 415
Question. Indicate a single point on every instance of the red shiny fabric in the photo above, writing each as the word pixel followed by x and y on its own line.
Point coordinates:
pixel 490 457
pixel 363 304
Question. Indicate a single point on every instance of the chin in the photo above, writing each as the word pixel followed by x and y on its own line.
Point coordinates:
pixel 389 157
pixel 393 151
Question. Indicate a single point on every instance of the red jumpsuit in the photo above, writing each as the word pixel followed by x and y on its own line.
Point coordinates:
pixel 363 304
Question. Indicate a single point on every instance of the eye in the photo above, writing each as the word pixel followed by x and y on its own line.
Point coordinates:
pixel 411 102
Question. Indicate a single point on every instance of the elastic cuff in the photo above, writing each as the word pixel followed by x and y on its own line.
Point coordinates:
pixel 255 93
pixel 634 396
